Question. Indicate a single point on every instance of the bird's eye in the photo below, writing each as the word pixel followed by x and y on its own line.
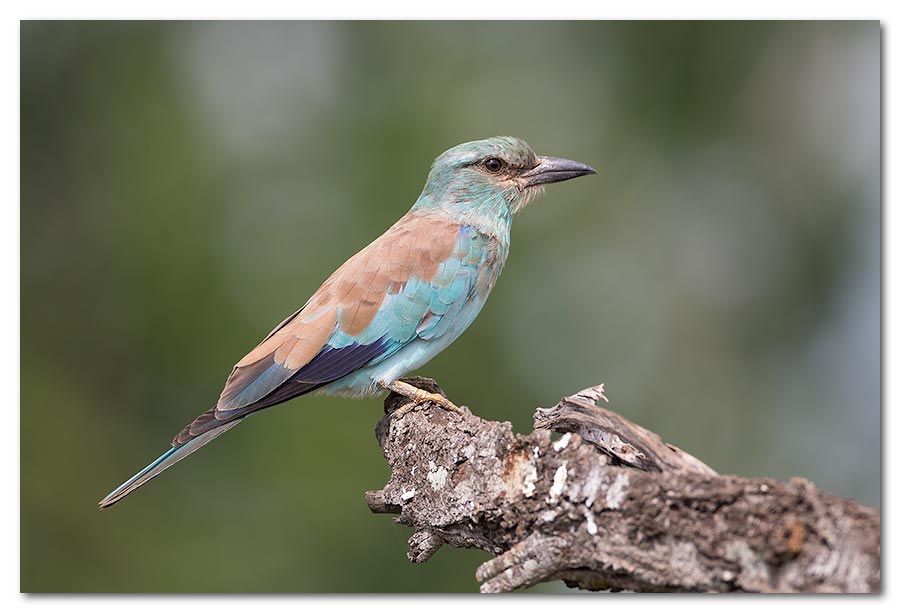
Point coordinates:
pixel 493 164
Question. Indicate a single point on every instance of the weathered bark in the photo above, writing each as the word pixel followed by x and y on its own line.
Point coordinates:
pixel 610 506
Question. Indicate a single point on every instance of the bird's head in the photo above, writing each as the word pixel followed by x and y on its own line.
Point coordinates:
pixel 496 173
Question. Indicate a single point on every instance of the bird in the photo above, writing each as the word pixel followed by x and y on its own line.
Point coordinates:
pixel 394 305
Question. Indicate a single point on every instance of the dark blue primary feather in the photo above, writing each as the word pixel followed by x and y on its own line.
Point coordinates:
pixel 396 303
pixel 329 365
pixel 335 362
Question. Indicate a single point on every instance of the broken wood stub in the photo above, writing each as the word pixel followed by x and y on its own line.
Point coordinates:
pixel 622 440
pixel 610 506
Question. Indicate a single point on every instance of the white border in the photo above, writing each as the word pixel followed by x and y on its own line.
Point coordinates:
pixel 458 9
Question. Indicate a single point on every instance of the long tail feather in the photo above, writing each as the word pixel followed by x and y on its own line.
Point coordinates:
pixel 163 462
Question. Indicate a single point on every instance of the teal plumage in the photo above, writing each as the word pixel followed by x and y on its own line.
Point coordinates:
pixel 426 316
pixel 394 305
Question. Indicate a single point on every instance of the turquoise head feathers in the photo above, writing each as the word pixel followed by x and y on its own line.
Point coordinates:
pixel 495 177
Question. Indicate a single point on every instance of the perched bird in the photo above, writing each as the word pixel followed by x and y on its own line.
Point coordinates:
pixel 394 305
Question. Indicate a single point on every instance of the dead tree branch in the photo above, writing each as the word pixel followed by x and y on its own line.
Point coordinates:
pixel 611 506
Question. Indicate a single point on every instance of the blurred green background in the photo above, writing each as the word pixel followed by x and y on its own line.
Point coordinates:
pixel 184 186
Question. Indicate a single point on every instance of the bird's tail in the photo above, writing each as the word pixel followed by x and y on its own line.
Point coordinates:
pixel 163 462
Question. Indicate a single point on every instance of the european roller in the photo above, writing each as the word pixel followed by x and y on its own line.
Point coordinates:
pixel 394 305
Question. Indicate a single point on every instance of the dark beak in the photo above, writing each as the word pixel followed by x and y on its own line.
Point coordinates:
pixel 553 170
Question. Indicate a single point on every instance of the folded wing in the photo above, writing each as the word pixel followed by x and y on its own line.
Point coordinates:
pixel 411 282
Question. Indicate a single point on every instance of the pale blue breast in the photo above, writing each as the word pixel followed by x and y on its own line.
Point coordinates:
pixel 426 317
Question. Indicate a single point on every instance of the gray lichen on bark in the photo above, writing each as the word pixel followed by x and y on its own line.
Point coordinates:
pixel 610 506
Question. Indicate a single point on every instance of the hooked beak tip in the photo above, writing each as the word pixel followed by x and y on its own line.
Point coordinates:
pixel 554 170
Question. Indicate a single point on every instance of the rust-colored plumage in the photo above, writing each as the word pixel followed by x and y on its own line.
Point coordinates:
pixel 395 304
pixel 348 301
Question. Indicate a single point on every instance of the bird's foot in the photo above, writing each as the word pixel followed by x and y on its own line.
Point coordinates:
pixel 417 396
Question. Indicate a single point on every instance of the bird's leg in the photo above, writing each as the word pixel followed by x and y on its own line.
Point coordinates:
pixel 417 396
